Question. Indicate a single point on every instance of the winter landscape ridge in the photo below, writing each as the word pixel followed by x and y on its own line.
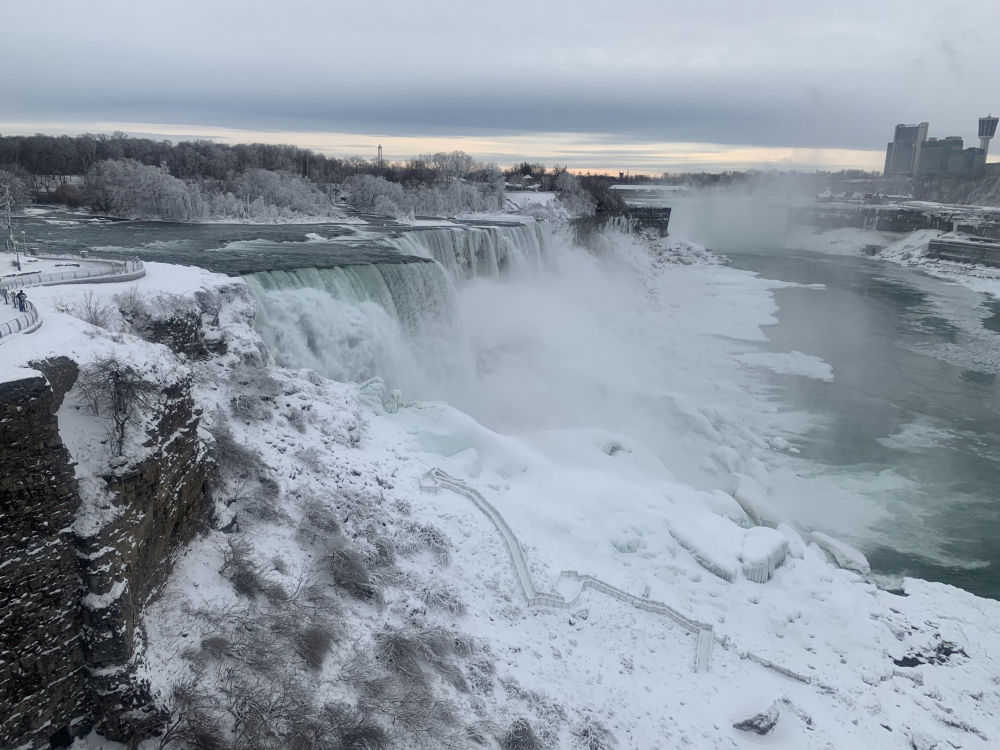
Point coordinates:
pixel 364 566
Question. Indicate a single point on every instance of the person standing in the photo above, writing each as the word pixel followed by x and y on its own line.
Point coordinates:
pixel 21 300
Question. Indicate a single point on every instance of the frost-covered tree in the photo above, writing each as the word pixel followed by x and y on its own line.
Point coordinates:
pixel 132 190
pixel 283 190
pixel 370 193
pixel 578 202
pixel 116 390
pixel 18 190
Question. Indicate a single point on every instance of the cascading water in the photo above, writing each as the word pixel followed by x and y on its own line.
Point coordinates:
pixel 399 321
pixel 479 252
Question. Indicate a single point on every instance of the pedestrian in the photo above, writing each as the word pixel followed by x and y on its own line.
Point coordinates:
pixel 5 300
pixel 22 299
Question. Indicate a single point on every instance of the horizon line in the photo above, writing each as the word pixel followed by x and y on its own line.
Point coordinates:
pixel 597 153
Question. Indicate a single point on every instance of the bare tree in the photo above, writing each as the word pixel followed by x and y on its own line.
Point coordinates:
pixel 116 390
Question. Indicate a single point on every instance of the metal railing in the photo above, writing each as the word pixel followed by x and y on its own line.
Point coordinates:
pixel 23 322
pixel 118 268
pixel 436 479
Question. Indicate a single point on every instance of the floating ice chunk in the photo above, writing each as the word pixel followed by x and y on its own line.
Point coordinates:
pixel 763 551
pixel 843 554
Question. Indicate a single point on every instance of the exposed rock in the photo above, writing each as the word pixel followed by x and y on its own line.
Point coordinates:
pixel 761 723
pixel 43 680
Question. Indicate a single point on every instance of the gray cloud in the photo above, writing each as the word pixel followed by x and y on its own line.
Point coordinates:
pixel 771 73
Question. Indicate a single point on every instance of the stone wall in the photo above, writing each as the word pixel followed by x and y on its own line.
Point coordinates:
pixel 44 689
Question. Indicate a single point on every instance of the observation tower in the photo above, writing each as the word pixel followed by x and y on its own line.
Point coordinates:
pixel 987 129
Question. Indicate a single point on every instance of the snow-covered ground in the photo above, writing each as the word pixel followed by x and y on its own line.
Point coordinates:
pixel 334 469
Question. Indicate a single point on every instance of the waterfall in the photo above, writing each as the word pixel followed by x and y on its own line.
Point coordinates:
pixel 486 251
pixel 399 321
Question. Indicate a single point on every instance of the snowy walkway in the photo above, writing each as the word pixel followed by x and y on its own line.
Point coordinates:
pixel 576 584
pixel 25 322
pixel 100 271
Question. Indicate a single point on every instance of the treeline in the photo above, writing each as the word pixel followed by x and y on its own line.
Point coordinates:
pixel 25 155
pixel 142 178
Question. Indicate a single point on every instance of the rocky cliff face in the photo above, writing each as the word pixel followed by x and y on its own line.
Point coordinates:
pixel 123 562
pixel 73 582
pixel 44 682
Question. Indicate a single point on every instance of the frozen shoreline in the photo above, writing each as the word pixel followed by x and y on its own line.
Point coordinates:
pixel 906 250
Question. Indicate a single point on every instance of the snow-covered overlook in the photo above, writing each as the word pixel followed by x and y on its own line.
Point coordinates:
pixel 334 594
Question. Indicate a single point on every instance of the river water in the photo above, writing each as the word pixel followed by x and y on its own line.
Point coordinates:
pixel 903 443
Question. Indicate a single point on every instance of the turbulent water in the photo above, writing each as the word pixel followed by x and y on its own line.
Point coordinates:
pixel 526 333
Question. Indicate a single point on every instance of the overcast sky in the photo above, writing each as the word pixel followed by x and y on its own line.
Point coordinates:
pixel 633 84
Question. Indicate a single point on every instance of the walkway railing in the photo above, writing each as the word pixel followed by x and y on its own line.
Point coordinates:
pixel 26 321
pixel 436 479
pixel 118 268
pixel 30 319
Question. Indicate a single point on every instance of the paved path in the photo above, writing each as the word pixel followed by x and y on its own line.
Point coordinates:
pixel 90 271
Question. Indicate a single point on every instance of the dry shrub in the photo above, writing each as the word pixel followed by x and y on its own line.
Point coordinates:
pixel 411 707
pixel 215 646
pixel 349 571
pixel 319 518
pixel 354 729
pixel 417 537
pixel 313 643
pixel 520 736
pixel 481 672
pixel 94 310
pixel 192 723
pixel 482 732
pixel 298 418
pixel 230 454
pixel 439 596
pixel 247 575
pixel 407 653
pixel 250 407
pixel 591 734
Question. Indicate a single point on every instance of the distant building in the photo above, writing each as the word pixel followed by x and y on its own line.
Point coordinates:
pixel 903 155
pixel 912 153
